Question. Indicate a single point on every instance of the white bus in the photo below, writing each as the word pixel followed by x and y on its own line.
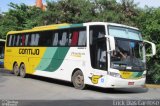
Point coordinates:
pixel 101 54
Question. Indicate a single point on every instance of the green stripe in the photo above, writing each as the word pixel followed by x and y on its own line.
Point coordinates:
pixel 71 26
pixel 136 74
pixel 76 25
pixel 56 58
pixel 46 59
pixel 139 74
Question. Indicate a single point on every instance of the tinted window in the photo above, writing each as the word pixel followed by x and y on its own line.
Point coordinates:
pixel 63 41
pixel 18 40
pixel 45 38
pixel 96 32
pixel 34 39
pixel 13 43
pixel 27 39
pixel 82 38
pixel 63 37
pixel 77 37
pixel 9 40
pixel 55 39
pixel 98 47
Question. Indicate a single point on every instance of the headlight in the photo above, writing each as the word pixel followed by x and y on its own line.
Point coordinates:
pixel 113 74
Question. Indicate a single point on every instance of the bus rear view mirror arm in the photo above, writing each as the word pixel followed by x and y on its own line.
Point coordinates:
pixel 111 42
pixel 153 48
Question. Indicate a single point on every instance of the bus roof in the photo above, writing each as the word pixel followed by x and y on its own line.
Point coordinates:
pixel 109 23
pixel 121 25
pixel 47 27
pixel 66 25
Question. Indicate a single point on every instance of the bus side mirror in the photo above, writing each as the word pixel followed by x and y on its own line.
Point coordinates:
pixel 111 42
pixel 153 47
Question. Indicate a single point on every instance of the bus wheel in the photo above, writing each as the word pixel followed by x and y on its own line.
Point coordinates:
pixel 16 69
pixel 78 80
pixel 22 71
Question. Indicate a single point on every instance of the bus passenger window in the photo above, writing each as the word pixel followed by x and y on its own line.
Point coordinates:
pixel 82 38
pixel 55 39
pixel 22 40
pixel 14 40
pixel 17 40
pixel 26 39
pixel 63 41
pixel 70 39
pixel 34 39
pixel 74 41
pixel 10 40
pixel 45 38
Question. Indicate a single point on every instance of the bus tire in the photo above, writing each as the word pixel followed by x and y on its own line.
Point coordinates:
pixel 78 80
pixel 16 69
pixel 22 71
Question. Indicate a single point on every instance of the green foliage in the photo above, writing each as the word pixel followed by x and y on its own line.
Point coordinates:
pixel 70 11
pixel 21 17
pixel 107 10
pixel 149 22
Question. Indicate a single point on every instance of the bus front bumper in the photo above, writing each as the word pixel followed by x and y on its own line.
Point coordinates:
pixel 115 82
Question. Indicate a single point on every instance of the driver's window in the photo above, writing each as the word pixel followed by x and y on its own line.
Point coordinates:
pixel 98 47
pixel 96 31
pixel 101 55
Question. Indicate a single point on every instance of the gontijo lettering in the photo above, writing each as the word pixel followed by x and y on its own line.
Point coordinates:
pixel 29 51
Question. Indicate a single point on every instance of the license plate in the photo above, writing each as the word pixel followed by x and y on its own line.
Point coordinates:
pixel 130 83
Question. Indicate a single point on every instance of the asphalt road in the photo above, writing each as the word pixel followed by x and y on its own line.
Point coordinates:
pixel 40 88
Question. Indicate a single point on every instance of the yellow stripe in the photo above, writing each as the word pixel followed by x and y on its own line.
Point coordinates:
pixel 41 28
pixel 125 74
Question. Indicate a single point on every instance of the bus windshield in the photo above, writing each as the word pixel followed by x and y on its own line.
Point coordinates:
pixel 129 50
pixel 127 33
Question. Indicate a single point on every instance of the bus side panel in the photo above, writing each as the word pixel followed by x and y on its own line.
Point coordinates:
pixel 34 60
pixel 10 57
pixel 30 56
pixel 63 63
pixel 8 64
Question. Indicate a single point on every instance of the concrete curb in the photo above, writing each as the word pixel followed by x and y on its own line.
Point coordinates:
pixel 152 86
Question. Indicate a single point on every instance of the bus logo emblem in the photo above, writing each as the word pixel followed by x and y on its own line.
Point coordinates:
pixel 95 78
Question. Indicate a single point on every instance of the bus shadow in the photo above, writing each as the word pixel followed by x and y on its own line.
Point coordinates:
pixel 118 90
pixel 92 88
pixel 4 72
pixel 51 80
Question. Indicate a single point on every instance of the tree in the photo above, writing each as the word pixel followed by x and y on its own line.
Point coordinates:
pixel 1 18
pixel 130 12
pixel 107 11
pixel 149 23
pixel 70 11
pixel 20 17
